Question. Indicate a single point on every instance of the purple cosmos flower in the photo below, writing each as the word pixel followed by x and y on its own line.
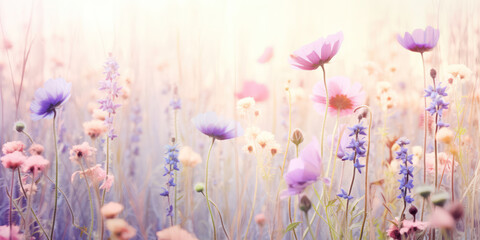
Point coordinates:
pixel 55 93
pixel 304 170
pixel 315 54
pixel 420 40
pixel 213 126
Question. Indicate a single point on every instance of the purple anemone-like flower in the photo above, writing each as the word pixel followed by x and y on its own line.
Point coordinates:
pixel 420 40
pixel 54 94
pixel 213 126
pixel 316 54
pixel 304 170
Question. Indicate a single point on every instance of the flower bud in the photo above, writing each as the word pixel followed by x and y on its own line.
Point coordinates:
pixel 297 137
pixel 199 187
pixel 433 73
pixel 439 199
pixel 413 210
pixel 19 126
pixel 456 210
pixel 425 190
pixel 305 204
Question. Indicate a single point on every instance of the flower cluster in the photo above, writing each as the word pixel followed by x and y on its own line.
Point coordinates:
pixel 437 105
pixel 356 145
pixel 171 165
pixel 112 90
pixel 406 183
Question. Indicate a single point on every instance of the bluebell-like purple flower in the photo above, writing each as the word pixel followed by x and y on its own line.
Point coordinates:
pixel 344 195
pixel 437 104
pixel 113 91
pixel 406 182
pixel 54 94
pixel 213 126
pixel 356 145
pixel 171 165
pixel 176 104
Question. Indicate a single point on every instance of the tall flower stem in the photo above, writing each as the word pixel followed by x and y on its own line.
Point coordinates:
pixel 425 134
pixel 253 204
pixel 221 218
pixel 90 199
pixel 309 226
pixel 327 104
pixel 206 190
pixel 10 215
pixel 453 168
pixel 107 160
pixel 366 168
pixel 289 129
pixel 176 140
pixel 332 157
pixel 350 190
pixel 402 215
pixel 56 173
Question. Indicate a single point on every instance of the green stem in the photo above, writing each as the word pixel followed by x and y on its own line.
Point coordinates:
pixel 425 133
pixel 176 140
pixel 107 160
pixel 91 202
pixel 206 190
pixel 253 204
pixel 332 157
pixel 221 218
pixel 11 206
pixel 309 226
pixel 327 104
pixel 56 174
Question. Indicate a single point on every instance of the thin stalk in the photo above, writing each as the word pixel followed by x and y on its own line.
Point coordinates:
pixel 309 226
pixel 11 206
pixel 206 190
pixel 91 202
pixel 56 173
pixel 425 133
pixel 220 215
pixel 435 141
pixel 453 168
pixel 253 204
pixel 350 191
pixel 327 104
pixel 107 160
pixel 289 129
pixel 332 157
pixel 176 135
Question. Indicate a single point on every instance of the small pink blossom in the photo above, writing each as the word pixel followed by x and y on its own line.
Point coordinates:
pixel 95 174
pixel 258 91
pixel 410 227
pixel 175 233
pixel 120 229
pixel 30 189
pixel 266 56
pixel 444 162
pixel 111 210
pixel 35 164
pixel 13 160
pixel 10 147
pixel 5 233
pixel 108 182
pixel 36 149
pixel 260 219
pixel 441 218
pixel 95 128
pixel 82 151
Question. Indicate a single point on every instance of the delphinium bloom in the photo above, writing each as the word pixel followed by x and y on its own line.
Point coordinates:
pixel 406 182
pixel 344 96
pixel 420 40
pixel 259 92
pixel 437 104
pixel 113 90
pixel 304 170
pixel 171 165
pixel 54 94
pixel 218 129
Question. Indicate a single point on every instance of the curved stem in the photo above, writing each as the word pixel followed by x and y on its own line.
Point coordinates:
pixel 327 105
pixel 221 219
pixel 253 204
pixel 56 174
pixel 425 132
pixel 29 137
pixel 206 190
pixel 91 202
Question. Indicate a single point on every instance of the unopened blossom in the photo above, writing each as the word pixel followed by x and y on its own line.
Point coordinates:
pixel 188 157
pixel 111 210
pixel 260 219
pixel 36 149
pixel 13 160
pixel 94 128
pixel 14 146
pixel 120 229
pixel 54 94
pixel 35 164
pixel 84 151
pixel 174 233
pixel 316 54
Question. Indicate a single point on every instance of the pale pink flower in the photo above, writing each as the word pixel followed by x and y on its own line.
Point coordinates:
pixel 111 210
pixel 258 91
pixel 95 128
pixel 441 218
pixel 29 189
pixel 36 149
pixel 99 114
pixel 316 54
pixel 188 157
pixel 444 162
pixel 95 174
pixel 35 164
pixel 120 229
pixel 411 228
pixel 13 160
pixel 260 219
pixel 266 56
pixel 5 233
pixel 343 96
pixel 108 182
pixel 174 233
pixel 82 151
pixel 14 146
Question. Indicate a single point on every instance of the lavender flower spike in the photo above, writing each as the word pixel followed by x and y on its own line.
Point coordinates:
pixel 213 126
pixel 54 94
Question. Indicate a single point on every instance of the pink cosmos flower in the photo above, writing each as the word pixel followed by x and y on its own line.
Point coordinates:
pixel 441 218
pixel 444 162
pixel 316 54
pixel 304 170
pixel 35 164
pixel 111 210
pixel 120 229
pixel 174 233
pixel 108 182
pixel 420 40
pixel 10 147
pixel 258 91
pixel 5 233
pixel 36 149
pixel 266 56
pixel 13 160
pixel 344 97
pixel 82 151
